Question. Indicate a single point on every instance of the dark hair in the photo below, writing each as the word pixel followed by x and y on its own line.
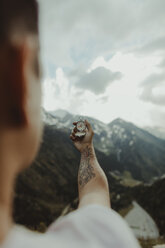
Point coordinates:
pixel 17 15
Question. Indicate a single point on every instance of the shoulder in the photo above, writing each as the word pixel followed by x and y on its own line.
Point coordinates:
pixel 19 236
pixel 91 226
pixel 98 224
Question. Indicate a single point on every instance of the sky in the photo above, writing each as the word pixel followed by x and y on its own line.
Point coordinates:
pixel 104 59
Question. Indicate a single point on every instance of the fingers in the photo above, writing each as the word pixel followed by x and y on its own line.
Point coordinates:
pixel 73 136
pixel 87 124
pixel 75 123
pixel 75 129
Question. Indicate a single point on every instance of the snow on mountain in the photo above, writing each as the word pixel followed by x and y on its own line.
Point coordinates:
pixel 61 113
pixel 133 149
pixel 67 119
pixel 103 132
pixel 118 133
pixel 50 119
pixel 141 223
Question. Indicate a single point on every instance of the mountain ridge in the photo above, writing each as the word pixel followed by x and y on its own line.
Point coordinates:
pixel 128 146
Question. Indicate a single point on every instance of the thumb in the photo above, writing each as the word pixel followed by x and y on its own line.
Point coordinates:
pixel 88 126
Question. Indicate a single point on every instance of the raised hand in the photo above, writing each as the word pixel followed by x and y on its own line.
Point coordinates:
pixel 83 142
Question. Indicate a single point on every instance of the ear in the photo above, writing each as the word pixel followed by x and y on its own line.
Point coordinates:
pixel 15 86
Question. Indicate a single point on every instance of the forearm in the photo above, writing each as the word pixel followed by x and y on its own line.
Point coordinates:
pixel 92 182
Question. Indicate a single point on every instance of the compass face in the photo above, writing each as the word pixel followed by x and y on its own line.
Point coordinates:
pixel 81 126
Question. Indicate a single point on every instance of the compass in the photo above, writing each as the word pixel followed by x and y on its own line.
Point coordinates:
pixel 81 128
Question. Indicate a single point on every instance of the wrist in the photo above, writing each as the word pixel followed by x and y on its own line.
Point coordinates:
pixel 88 147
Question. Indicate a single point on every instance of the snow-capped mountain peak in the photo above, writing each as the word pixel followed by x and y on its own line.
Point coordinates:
pixel 61 113
pixel 128 144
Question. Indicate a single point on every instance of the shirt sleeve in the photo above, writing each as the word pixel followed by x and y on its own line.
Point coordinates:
pixel 94 226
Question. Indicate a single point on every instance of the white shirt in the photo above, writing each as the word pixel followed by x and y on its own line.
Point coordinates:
pixel 92 226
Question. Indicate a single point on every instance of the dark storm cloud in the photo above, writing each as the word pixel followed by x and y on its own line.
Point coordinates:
pixel 97 80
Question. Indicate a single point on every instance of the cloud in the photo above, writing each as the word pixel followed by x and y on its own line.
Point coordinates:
pixel 153 80
pixel 97 80
pixel 77 31
pixel 162 64
pixel 152 89
pixel 156 45
pixel 103 99
pixel 74 33
pixel 157 117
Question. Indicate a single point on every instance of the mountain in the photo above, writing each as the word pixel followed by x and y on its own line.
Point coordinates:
pixel 138 151
pixel 101 129
pixel 50 119
pixel 61 113
pixel 50 184
pixel 127 147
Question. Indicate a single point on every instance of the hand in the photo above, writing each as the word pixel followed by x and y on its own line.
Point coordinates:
pixel 83 142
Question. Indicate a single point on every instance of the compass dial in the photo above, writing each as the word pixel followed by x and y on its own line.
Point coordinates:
pixel 81 127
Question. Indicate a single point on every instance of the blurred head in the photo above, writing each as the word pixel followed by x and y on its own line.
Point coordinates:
pixel 20 88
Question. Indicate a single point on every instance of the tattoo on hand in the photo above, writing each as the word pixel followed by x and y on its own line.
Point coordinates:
pixel 86 171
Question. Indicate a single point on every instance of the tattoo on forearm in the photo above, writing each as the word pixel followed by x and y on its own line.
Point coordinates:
pixel 86 171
